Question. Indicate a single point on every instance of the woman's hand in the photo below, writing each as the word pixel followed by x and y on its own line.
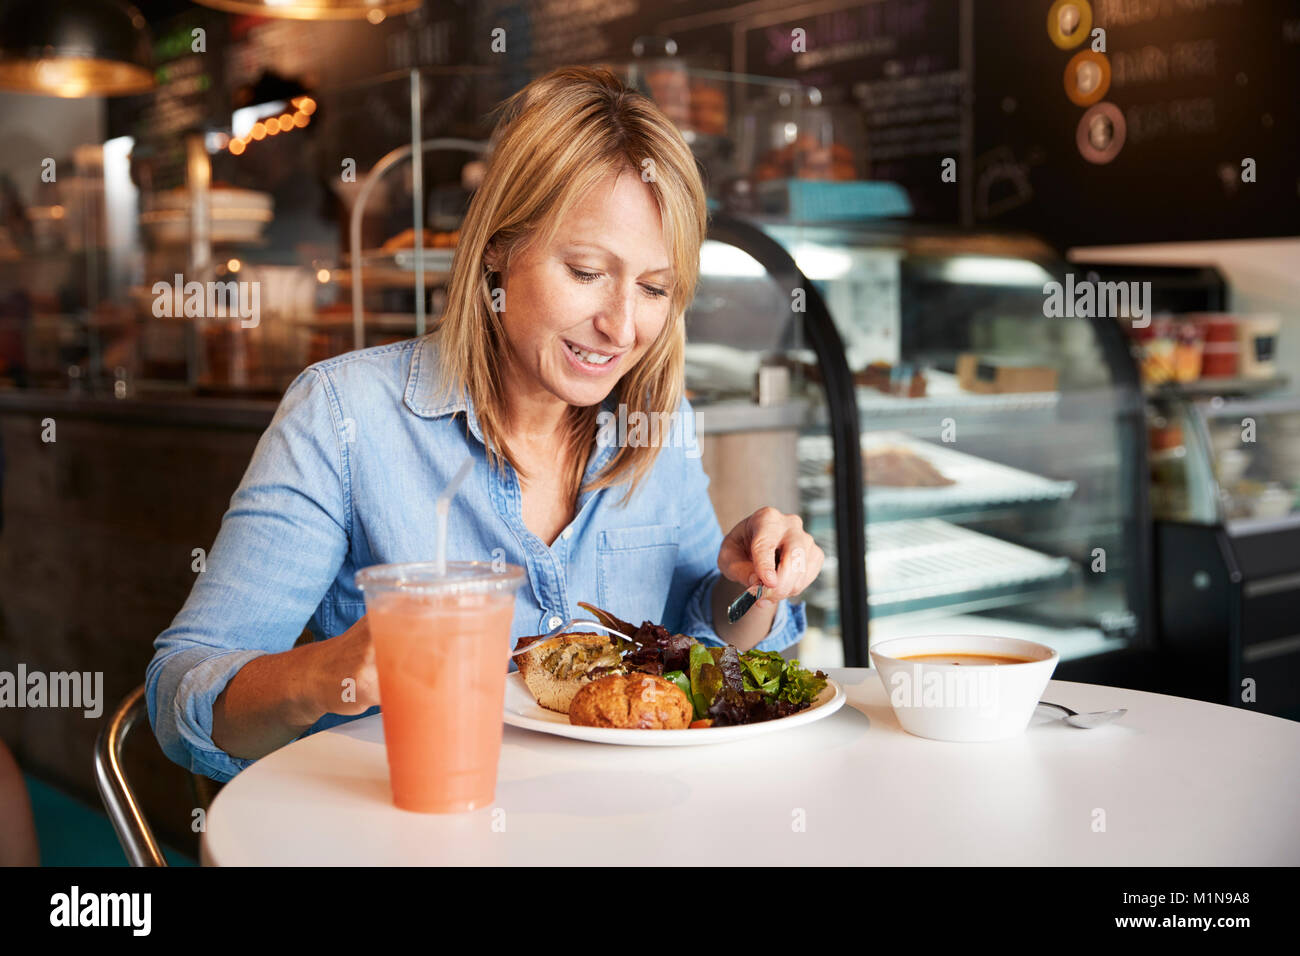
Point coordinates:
pixel 344 671
pixel 749 555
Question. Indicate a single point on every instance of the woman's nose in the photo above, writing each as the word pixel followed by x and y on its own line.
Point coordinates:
pixel 617 322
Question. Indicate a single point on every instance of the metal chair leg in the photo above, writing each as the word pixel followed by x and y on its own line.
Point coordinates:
pixel 124 812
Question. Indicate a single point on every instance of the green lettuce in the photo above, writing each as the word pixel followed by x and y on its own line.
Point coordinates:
pixel 779 679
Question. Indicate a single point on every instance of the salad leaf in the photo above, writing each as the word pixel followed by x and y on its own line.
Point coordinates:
pixel 762 671
pixel 780 680
pixel 682 681
pixel 801 686
pixel 728 659
pixel 706 679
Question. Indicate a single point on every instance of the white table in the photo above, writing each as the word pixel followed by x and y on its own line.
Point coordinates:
pixel 1180 782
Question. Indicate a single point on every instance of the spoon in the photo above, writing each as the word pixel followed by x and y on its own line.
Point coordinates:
pixel 1086 721
pixel 564 626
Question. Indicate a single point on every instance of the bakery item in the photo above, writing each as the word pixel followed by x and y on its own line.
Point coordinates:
pixel 406 240
pixel 893 467
pixel 632 702
pixel 556 669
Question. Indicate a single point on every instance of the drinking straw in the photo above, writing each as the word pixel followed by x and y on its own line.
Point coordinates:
pixel 444 509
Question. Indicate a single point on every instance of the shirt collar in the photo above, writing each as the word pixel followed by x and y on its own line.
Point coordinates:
pixel 424 394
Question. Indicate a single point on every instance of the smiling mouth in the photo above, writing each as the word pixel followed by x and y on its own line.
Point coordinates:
pixel 589 356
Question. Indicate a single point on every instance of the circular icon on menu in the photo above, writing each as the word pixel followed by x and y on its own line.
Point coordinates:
pixel 1101 131
pixel 1069 22
pixel 1087 77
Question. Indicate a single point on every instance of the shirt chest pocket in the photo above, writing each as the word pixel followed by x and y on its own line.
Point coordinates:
pixel 635 571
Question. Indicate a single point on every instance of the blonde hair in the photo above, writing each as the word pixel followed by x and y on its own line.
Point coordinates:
pixel 554 140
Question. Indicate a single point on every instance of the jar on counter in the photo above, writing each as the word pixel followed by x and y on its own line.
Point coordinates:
pixel 1257 343
pixel 792 134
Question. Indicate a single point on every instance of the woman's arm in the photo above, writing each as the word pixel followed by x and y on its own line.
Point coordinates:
pixel 274 699
pixel 281 544
pixel 712 571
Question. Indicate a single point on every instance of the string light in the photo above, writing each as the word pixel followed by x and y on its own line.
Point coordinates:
pixel 304 106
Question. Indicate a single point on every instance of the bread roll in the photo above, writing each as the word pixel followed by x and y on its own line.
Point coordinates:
pixel 633 702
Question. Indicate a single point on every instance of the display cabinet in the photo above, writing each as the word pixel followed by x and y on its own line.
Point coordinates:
pixel 998 454
pixel 1226 496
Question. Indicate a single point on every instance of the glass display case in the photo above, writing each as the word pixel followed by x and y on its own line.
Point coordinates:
pixel 1226 498
pixel 1000 453
pixel 1228 462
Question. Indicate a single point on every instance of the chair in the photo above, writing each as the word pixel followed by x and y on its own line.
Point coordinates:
pixel 133 831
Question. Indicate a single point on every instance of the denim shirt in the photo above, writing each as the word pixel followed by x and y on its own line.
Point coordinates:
pixel 347 475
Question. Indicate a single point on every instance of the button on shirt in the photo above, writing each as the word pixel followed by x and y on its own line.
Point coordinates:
pixel 347 475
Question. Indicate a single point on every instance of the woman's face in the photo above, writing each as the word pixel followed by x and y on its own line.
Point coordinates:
pixel 582 311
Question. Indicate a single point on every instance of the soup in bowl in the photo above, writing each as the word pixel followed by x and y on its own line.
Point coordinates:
pixel 963 687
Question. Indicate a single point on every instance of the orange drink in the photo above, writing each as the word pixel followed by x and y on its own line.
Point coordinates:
pixel 442 646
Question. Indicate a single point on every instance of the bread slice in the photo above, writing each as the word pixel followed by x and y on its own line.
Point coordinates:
pixel 555 670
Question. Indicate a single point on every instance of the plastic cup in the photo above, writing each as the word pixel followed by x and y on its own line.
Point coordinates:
pixel 442 647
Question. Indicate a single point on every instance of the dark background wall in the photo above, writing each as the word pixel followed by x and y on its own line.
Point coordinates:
pixel 95 560
pixel 1197 86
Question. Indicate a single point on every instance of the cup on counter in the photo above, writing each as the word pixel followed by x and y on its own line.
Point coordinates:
pixel 1273 501
pixel 1231 465
pixel 1257 342
pixel 1221 353
pixel 442 647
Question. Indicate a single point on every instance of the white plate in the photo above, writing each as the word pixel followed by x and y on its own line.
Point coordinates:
pixel 523 711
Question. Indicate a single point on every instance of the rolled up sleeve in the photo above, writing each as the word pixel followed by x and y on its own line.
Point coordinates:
pixel 278 551
pixel 697 568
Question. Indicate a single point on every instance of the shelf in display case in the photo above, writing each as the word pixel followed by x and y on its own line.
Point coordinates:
pixel 943 395
pixel 872 403
pixel 396 269
pixel 978 484
pixel 926 563
pixel 1209 387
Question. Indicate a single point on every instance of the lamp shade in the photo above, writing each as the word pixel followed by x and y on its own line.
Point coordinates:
pixel 74 48
pixel 372 10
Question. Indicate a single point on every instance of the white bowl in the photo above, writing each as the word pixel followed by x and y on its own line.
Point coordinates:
pixel 1232 464
pixel 1272 503
pixel 963 702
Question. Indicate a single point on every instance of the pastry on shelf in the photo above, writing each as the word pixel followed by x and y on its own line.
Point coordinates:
pixel 894 467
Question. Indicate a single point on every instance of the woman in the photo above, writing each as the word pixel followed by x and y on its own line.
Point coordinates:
pixel 576 261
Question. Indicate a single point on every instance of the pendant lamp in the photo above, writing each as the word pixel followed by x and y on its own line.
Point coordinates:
pixel 74 48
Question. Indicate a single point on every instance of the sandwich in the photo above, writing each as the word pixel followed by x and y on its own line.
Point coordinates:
pixel 556 669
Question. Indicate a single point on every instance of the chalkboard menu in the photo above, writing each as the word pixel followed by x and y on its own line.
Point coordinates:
pixel 1137 120
pixel 190 92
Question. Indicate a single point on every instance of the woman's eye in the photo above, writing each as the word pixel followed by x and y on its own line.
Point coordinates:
pixel 653 291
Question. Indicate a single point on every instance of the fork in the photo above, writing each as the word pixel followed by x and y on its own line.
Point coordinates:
pixel 564 626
